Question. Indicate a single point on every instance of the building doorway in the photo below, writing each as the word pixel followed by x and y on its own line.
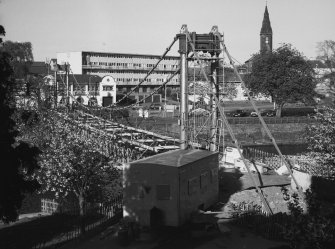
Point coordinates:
pixel 107 101
pixel 156 218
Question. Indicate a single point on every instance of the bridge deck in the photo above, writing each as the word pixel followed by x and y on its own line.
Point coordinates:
pixel 139 138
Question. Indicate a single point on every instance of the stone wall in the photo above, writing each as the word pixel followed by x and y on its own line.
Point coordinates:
pixel 283 133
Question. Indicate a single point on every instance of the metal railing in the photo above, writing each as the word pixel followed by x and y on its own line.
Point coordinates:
pixel 53 231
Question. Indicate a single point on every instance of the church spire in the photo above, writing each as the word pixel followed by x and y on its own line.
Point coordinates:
pixel 266 25
pixel 266 32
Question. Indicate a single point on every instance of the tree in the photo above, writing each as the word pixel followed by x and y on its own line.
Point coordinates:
pixel 18 159
pixel 70 162
pixel 21 57
pixel 326 53
pixel 284 75
pixel 320 137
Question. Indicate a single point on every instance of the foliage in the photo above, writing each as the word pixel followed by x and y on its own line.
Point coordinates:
pixel 244 207
pixel 19 160
pixel 284 75
pixel 21 57
pixel 320 137
pixel 70 161
pixel 2 33
pixel 314 229
pixel 326 53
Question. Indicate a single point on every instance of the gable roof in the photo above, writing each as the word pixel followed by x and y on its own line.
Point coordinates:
pixel 80 78
pixel 39 68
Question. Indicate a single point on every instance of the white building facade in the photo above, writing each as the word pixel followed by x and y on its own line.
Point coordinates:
pixel 128 70
pixel 87 90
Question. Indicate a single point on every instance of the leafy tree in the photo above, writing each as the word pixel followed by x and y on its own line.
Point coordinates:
pixel 326 53
pixel 70 162
pixel 284 75
pixel 320 137
pixel 199 86
pixel 21 57
pixel 314 229
pixel 18 159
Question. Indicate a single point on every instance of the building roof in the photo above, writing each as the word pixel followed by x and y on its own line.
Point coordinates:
pixel 39 68
pixel 80 78
pixel 175 158
pixel 266 25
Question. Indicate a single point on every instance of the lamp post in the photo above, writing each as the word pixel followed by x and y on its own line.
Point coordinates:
pixel 165 98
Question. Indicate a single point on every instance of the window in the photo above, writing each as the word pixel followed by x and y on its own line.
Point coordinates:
pixel 107 88
pixel 204 179
pixel 163 192
pixel 193 186
pixel 214 174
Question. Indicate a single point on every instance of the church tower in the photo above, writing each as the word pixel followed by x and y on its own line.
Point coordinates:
pixel 266 33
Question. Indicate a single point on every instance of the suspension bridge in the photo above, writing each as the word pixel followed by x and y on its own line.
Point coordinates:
pixel 123 143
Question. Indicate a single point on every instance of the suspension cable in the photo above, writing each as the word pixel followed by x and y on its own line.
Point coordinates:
pixel 259 116
pixel 132 105
pixel 259 191
pixel 151 70
pixel 152 93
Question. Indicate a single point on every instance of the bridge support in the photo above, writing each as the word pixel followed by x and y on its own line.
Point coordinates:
pixel 215 92
pixel 183 87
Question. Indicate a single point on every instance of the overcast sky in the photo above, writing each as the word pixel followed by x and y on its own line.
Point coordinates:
pixel 149 26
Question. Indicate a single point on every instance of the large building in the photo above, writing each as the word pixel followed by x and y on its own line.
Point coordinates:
pixel 128 70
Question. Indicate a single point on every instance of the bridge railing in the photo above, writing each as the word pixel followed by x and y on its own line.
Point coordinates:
pixel 270 120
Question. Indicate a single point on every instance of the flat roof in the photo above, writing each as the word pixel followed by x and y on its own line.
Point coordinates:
pixel 175 158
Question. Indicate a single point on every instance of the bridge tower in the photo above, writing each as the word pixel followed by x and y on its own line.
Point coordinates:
pixel 196 43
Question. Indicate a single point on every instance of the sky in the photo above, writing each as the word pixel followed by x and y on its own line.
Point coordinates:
pixel 149 26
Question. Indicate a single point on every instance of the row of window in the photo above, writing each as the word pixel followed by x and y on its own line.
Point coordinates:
pixel 146 80
pixel 103 55
pixel 143 89
pixel 126 74
pixel 131 65
pixel 93 88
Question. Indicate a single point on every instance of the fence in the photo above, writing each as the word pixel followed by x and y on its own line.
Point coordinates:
pixel 54 230
pixel 49 206
pixel 274 161
pixel 267 225
pixel 270 120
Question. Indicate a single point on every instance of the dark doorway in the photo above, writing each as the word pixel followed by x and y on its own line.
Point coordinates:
pixel 106 101
pixel 156 218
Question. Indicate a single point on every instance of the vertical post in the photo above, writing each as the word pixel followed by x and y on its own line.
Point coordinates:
pixel 67 84
pixel 165 100
pixel 183 86
pixel 214 83
pixel 223 142
pixel 55 90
